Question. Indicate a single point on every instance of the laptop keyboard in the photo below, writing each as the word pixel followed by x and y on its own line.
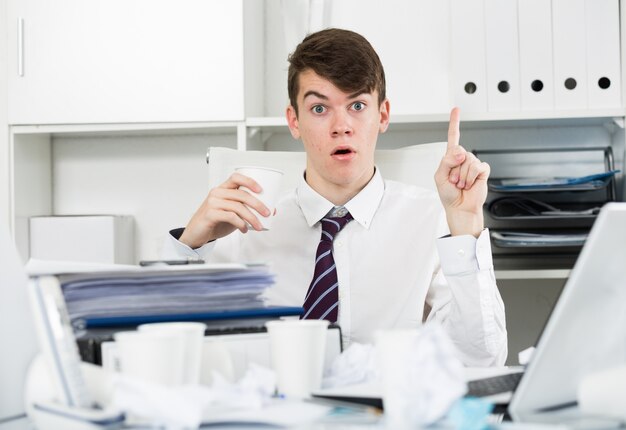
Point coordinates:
pixel 494 385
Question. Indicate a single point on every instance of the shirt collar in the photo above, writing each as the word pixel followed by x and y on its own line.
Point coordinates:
pixel 362 207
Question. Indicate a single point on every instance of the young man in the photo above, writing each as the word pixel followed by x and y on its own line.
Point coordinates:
pixel 384 262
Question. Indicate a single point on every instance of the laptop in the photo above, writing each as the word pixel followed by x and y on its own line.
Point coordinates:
pixel 586 332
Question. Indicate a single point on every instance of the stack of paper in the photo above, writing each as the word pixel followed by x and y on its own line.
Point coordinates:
pixel 589 182
pixel 165 293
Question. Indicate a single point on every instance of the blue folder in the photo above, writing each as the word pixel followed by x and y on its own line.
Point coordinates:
pixel 133 320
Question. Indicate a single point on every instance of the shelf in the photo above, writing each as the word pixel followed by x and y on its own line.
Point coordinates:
pixel 477 119
pixel 533 274
pixel 534 116
pixel 217 127
pixel 398 122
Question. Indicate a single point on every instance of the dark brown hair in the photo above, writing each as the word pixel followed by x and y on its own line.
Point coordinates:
pixel 343 57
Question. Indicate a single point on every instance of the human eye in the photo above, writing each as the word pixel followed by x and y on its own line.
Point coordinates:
pixel 358 106
pixel 319 109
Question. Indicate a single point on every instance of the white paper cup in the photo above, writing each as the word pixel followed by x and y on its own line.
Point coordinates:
pixel 192 334
pixel 155 357
pixel 216 357
pixel 269 180
pixel 297 350
pixel 393 357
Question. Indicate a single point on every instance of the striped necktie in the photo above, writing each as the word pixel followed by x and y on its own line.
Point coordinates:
pixel 322 298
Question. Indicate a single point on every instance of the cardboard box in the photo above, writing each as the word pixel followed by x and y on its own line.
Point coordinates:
pixel 88 238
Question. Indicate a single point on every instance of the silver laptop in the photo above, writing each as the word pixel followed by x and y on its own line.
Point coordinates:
pixel 586 331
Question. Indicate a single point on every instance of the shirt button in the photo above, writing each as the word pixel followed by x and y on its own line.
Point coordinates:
pixel 461 252
pixel 339 244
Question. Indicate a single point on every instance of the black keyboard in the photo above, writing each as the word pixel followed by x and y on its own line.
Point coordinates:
pixel 494 385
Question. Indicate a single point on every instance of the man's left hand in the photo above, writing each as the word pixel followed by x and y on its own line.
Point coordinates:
pixel 462 184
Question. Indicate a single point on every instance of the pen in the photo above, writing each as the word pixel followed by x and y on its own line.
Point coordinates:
pixel 171 262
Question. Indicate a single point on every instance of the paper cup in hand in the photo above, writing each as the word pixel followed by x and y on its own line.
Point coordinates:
pixel 151 356
pixel 297 350
pixel 269 180
pixel 192 334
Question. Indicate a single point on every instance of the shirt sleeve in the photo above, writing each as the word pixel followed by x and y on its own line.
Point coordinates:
pixel 174 249
pixel 464 297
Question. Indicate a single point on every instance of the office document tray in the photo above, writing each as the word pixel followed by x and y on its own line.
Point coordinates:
pixel 542 202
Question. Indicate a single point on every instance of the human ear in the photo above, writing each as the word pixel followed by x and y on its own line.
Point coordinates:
pixel 384 116
pixel 292 122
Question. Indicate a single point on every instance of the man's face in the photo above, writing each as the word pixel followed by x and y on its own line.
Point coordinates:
pixel 339 133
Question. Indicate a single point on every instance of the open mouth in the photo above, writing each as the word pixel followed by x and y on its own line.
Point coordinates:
pixel 342 151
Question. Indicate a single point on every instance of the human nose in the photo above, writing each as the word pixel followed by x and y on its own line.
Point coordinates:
pixel 341 125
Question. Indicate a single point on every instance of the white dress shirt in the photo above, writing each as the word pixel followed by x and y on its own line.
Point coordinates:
pixel 390 273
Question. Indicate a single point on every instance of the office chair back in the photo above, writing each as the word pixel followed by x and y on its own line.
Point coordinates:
pixel 414 164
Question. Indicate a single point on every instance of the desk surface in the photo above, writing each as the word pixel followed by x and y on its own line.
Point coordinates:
pixel 566 419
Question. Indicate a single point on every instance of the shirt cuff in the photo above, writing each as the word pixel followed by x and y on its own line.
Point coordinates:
pixel 465 254
pixel 174 249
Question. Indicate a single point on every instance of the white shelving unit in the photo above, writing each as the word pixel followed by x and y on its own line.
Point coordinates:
pixel 154 169
pixel 154 172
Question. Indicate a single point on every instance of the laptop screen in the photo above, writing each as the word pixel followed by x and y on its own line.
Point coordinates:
pixel 586 331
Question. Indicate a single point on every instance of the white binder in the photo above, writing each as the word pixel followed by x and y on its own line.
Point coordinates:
pixel 603 55
pixel 469 76
pixel 501 37
pixel 570 54
pixel 535 49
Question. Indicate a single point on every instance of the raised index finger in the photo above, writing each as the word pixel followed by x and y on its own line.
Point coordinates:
pixel 454 133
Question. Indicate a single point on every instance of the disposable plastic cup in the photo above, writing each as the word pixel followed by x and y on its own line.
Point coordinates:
pixel 192 334
pixel 152 356
pixel 392 353
pixel 297 350
pixel 269 180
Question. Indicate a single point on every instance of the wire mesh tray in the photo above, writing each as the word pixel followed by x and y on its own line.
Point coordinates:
pixel 582 183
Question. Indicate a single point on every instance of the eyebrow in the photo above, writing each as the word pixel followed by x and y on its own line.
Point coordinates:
pixel 314 93
pixel 357 94
pixel 323 97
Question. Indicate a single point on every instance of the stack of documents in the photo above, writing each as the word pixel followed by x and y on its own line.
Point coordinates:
pixel 508 239
pixel 579 183
pixel 131 294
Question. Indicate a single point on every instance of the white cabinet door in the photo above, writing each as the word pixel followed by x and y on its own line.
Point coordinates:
pixel 111 61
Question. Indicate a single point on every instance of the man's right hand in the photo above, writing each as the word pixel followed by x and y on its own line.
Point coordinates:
pixel 225 210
